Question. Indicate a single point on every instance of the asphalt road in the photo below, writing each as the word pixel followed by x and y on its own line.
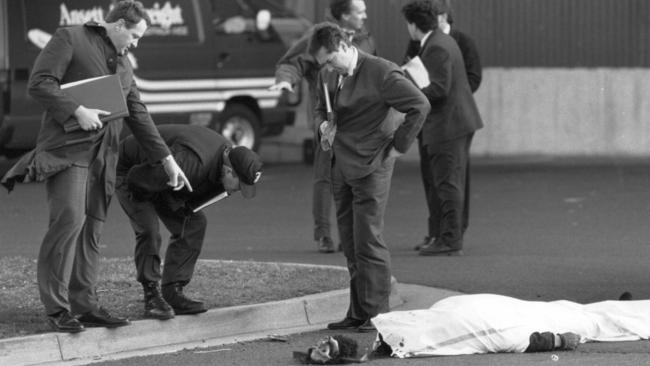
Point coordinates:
pixel 539 229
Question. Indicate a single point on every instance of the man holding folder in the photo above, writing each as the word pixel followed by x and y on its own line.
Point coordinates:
pixel 216 170
pixel 78 166
pixel 446 136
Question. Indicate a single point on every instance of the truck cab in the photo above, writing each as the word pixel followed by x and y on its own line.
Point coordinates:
pixel 202 62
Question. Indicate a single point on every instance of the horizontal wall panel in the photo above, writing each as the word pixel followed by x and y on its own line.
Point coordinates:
pixel 531 33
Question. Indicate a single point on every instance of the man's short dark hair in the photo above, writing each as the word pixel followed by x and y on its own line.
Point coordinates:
pixel 131 11
pixel 327 35
pixel 340 7
pixel 422 14
pixel 444 7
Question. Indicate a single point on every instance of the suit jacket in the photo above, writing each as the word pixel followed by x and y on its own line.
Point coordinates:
pixel 76 53
pixel 298 63
pixel 365 114
pixel 467 49
pixel 197 150
pixel 453 110
pixel 471 58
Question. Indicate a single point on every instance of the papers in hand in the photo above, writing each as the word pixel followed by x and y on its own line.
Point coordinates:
pixel 103 92
pixel 212 200
pixel 416 71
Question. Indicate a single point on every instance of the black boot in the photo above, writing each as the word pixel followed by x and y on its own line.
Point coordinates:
pixel 155 306
pixel 173 294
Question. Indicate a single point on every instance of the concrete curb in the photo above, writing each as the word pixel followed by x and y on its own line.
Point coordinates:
pixel 153 336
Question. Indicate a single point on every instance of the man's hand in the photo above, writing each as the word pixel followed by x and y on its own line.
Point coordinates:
pixel 88 118
pixel 327 133
pixel 177 178
pixel 282 85
pixel 393 153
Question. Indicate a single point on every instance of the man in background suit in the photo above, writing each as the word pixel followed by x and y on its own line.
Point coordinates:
pixel 360 130
pixel 474 72
pixel 447 134
pixel 466 44
pixel 297 64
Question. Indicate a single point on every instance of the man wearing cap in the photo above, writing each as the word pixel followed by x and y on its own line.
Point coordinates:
pixel 214 168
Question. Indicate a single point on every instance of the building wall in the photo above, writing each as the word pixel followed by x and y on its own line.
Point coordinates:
pixel 558 33
pixel 561 111
pixel 561 77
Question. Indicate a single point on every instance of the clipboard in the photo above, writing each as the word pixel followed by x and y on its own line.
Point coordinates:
pixel 416 71
pixel 103 92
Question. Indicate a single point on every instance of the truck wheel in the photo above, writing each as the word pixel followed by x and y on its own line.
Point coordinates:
pixel 241 126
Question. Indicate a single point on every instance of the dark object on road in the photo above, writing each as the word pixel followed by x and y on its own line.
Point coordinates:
pixel 625 296
pixel 335 350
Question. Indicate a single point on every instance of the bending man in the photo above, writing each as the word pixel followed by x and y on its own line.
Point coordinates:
pixel 212 167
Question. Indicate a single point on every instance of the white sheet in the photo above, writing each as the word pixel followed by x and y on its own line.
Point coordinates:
pixel 486 323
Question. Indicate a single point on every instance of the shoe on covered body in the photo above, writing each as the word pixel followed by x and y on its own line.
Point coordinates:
pixel 427 241
pixel 347 323
pixel 65 322
pixel 102 318
pixel 155 307
pixel 182 305
pixel 325 245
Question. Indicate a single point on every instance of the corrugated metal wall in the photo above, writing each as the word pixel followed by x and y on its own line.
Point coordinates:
pixel 532 33
pixel 558 33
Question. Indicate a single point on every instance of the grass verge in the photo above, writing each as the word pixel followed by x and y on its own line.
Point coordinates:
pixel 217 283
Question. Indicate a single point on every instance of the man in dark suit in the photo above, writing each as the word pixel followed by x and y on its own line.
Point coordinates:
pixel 364 92
pixel 473 69
pixel 447 134
pixel 466 44
pixel 213 167
pixel 297 64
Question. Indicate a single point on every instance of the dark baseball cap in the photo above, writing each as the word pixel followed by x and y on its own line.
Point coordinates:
pixel 248 166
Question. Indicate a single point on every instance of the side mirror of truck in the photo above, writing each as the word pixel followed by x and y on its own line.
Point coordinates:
pixel 263 25
pixel 263 20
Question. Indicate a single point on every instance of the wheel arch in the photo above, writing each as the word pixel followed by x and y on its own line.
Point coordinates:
pixel 249 102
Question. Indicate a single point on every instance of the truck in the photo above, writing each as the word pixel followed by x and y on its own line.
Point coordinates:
pixel 201 62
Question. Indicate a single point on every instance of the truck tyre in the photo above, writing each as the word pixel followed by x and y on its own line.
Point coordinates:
pixel 240 125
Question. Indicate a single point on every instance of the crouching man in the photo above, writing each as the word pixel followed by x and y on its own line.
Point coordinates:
pixel 215 169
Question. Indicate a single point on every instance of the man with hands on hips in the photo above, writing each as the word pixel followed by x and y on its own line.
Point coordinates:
pixel 358 112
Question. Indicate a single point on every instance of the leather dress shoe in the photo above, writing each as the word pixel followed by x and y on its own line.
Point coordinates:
pixel 347 323
pixel 101 318
pixel 326 245
pixel 427 241
pixel 440 250
pixel 366 327
pixel 65 322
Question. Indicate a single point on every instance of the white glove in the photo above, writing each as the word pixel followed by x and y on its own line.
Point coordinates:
pixel 327 133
